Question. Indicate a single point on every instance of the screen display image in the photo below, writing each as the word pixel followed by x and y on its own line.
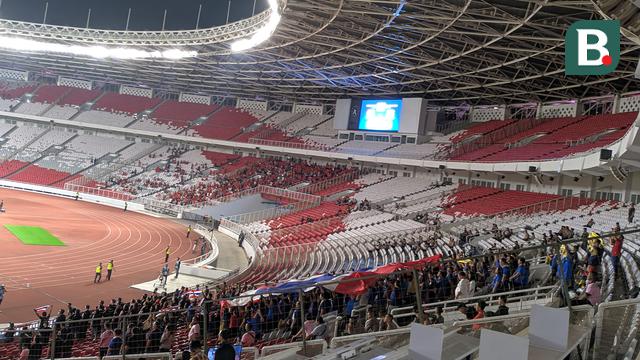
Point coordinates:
pixel 380 115
pixel 212 352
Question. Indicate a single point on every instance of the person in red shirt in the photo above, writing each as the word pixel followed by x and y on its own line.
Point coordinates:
pixel 616 251
pixel 105 339
pixel 479 314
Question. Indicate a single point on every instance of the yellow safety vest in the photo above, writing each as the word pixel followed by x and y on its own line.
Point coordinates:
pixel 109 266
pixel 98 270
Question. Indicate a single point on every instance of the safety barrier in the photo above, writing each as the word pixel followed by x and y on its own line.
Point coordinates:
pixel 287 144
pixel 616 328
pixel 68 194
pixel 340 179
pixel 98 192
pixel 161 207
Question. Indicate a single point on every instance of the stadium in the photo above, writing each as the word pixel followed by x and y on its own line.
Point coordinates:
pixel 328 179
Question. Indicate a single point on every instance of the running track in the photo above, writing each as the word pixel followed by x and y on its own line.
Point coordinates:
pixel 39 275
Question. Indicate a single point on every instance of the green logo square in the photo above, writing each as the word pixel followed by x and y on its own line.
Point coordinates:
pixel 592 47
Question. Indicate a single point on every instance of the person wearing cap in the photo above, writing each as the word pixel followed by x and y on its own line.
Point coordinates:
pixel 226 350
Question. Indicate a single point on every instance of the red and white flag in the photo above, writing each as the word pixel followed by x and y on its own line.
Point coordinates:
pixel 42 309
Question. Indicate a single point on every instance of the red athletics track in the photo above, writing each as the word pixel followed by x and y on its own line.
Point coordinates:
pixel 51 275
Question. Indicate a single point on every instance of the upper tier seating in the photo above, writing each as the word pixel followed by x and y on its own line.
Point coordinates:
pixel 29 108
pixel 396 187
pixel 105 118
pixel 479 129
pixel 179 115
pixel 411 151
pixel 77 97
pixel 14 91
pixel 361 147
pixel 63 95
pixel 128 104
pixel 554 138
pixel 278 118
pixel 48 94
pixel 225 124
pixel 305 122
pixel 325 129
pixel 61 112
pixel 321 141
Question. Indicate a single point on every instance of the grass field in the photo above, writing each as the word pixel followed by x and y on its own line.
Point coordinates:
pixel 34 235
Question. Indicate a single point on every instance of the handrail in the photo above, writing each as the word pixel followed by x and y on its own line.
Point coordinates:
pixel 223 199
pixel 288 144
pixel 210 257
pixel 583 308
pixel 560 203
pixel 159 206
pixel 617 142
pixel 263 189
pixel 98 192
pixel 599 318
pixel 470 300
pixel 484 140
pixel 401 331
pixel 325 184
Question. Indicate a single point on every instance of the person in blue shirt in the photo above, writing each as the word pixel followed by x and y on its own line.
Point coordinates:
pixel 506 274
pixel 520 277
pixel 116 342
pixel 567 271
pixel 496 283
pixel 553 264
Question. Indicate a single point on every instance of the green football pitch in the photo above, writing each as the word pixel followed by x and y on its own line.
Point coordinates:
pixel 34 235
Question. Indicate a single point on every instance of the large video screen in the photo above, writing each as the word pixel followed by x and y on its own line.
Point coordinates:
pixel 380 115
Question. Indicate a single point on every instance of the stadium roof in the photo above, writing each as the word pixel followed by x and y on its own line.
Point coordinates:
pixel 449 51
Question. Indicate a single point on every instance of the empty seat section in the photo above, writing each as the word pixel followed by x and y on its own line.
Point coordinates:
pixel 225 124
pixel 180 114
pixel 125 103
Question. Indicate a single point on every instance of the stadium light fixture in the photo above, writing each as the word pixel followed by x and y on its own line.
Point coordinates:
pixel 100 52
pixel 263 33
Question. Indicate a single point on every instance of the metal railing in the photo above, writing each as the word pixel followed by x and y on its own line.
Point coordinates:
pixel 209 257
pixel 562 203
pixel 452 126
pixel 224 199
pixel 161 207
pixel 288 144
pixel 481 141
pixel 616 326
pixel 269 213
pixel 98 192
pixel 319 186
pixel 262 189
pixel 521 297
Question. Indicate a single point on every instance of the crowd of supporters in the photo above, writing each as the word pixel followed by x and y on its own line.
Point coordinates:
pixel 271 172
